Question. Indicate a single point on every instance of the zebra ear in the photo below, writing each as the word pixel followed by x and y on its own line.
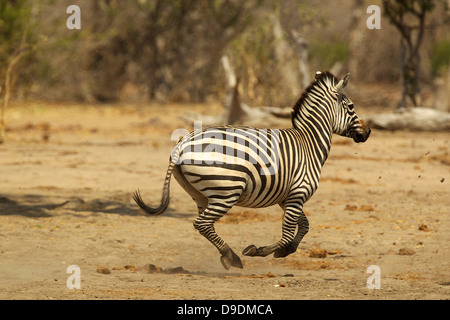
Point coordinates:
pixel 341 85
pixel 318 74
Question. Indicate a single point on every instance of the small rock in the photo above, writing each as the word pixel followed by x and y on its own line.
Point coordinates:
pixel 362 208
pixel 103 270
pixel 406 252
pixel 269 275
pixel 151 268
pixel 424 227
pixel 131 267
pixel 288 275
pixel 127 267
pixel 318 253
pixel 351 207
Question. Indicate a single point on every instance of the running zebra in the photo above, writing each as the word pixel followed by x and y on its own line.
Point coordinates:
pixel 226 166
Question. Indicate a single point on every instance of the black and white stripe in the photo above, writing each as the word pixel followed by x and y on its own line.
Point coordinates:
pixel 224 166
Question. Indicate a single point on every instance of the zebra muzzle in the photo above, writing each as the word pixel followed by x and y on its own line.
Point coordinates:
pixel 360 137
pixel 362 133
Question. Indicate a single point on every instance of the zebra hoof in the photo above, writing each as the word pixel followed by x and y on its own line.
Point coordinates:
pixel 253 251
pixel 283 252
pixel 231 259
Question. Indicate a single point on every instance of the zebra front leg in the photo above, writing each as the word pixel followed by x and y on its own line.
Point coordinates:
pixel 288 243
pixel 303 228
pixel 286 239
pixel 205 225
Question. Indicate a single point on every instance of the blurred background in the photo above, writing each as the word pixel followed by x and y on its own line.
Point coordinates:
pixel 93 113
pixel 170 50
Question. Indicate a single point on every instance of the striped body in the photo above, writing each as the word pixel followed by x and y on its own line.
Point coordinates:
pixel 244 171
pixel 224 166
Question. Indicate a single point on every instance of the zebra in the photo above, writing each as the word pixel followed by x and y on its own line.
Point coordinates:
pixel 225 166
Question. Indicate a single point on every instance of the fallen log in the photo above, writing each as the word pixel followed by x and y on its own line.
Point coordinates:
pixel 414 119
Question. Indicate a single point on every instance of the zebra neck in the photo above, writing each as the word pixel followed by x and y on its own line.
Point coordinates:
pixel 316 130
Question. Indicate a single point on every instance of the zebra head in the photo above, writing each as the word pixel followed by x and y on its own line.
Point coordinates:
pixel 347 123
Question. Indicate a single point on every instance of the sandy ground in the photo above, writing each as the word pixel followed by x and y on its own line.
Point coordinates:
pixel 67 172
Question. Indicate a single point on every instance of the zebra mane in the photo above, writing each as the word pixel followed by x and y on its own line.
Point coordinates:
pixel 323 79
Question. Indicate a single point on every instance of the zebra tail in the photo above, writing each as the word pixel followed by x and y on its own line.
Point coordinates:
pixel 165 199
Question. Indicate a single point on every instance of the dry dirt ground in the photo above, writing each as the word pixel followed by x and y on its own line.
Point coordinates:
pixel 67 172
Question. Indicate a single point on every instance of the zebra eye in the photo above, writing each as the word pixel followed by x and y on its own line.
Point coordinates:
pixel 350 106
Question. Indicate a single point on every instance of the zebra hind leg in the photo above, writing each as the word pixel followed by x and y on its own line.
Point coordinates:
pixel 205 225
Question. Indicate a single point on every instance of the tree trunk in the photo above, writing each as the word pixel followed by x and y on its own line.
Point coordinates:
pixel 281 49
pixel 412 36
pixel 302 49
pixel 7 94
pixel 410 66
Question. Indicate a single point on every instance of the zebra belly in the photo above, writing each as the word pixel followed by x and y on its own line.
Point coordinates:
pixel 214 182
pixel 229 185
pixel 247 202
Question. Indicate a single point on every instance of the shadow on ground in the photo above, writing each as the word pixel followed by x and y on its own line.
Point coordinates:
pixel 39 206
